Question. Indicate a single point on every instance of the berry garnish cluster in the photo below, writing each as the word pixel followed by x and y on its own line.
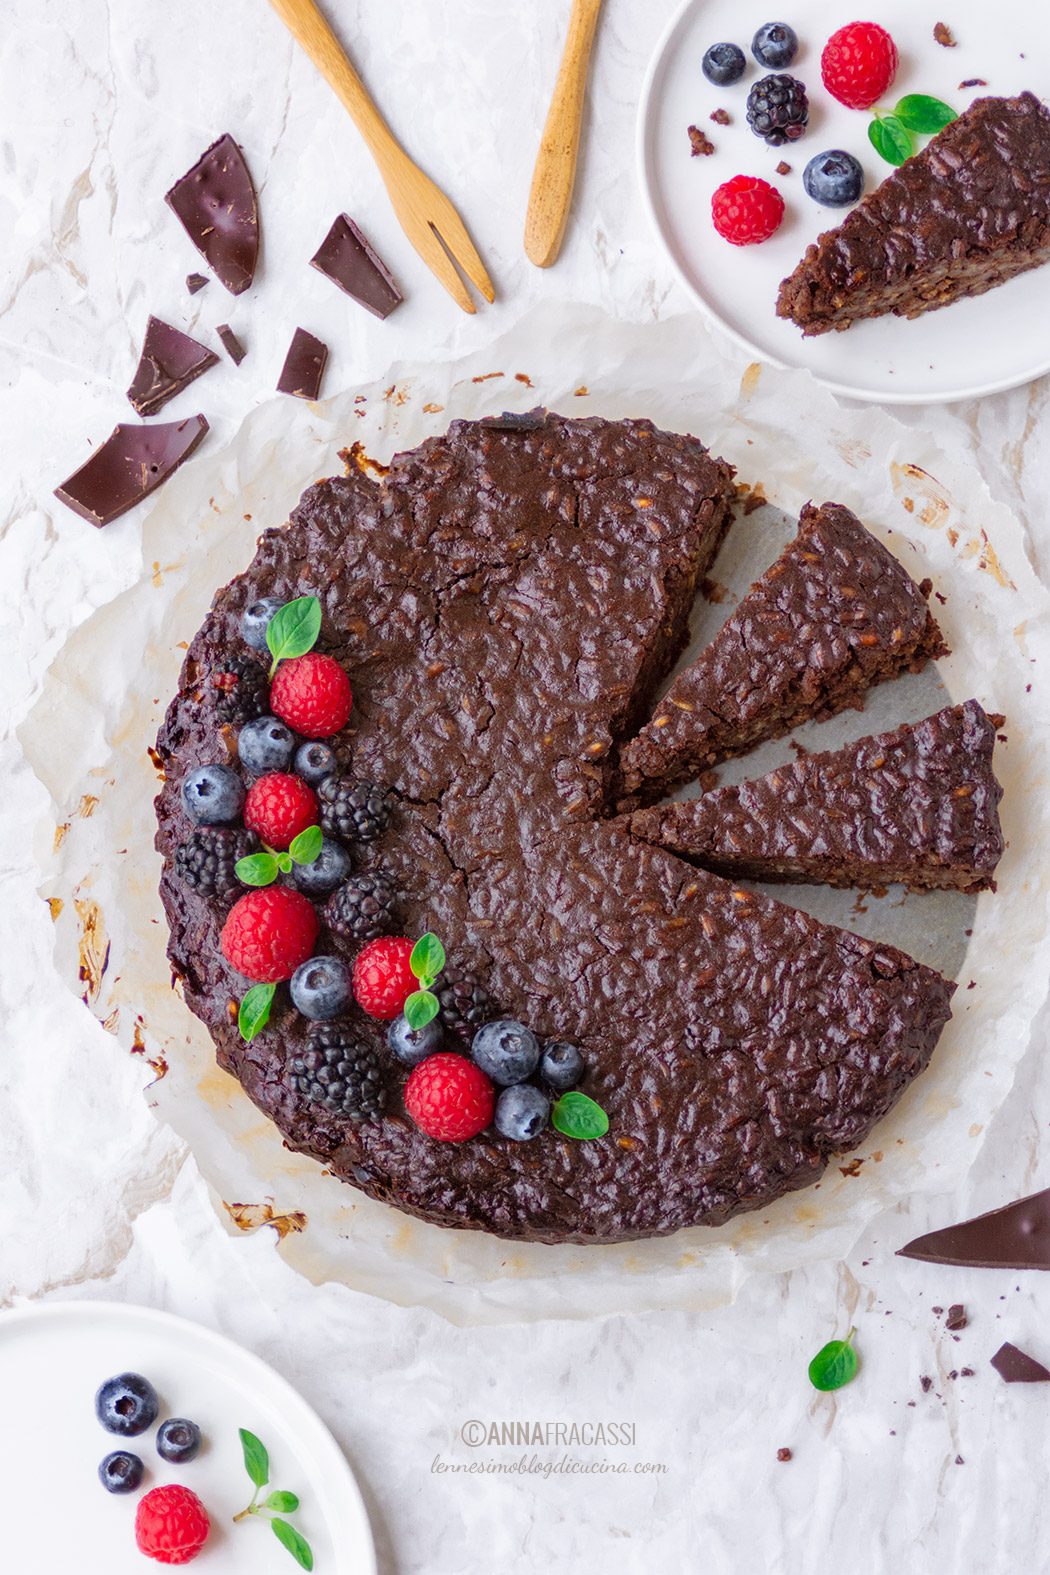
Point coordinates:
pixel 171 1523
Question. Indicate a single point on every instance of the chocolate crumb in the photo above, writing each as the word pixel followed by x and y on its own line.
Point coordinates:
pixel 959 1461
pixel 973 82
pixel 936 1311
pixel 926 1384
pixel 756 499
pixel 721 117
pixel 699 142
pixel 953 1375
pixel 966 1372
pixel 956 1318
pixel 783 168
pixel 783 1454
pixel 943 35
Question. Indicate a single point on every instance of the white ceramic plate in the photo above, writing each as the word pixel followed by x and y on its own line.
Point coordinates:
pixel 974 347
pixel 58 1519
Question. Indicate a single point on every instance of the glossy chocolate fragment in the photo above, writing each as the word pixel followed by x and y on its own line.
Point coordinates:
pixel 169 362
pixel 1016 1236
pixel 1017 1367
pixel 195 282
pixel 216 206
pixel 133 462
pixel 231 344
pixel 345 257
pixel 303 366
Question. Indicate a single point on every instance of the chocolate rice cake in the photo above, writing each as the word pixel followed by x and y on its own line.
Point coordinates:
pixel 919 805
pixel 966 213
pixel 505 600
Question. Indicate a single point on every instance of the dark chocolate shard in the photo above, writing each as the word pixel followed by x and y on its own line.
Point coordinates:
pixel 195 282
pixel 216 206
pixel 133 462
pixel 345 257
pixel 231 344
pixel 169 362
pixel 956 1318
pixel 1016 1236
pixel 303 366
pixel 1017 1367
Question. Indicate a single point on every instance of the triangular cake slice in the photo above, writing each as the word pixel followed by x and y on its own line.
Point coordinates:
pixel 966 213
pixel 918 805
pixel 835 614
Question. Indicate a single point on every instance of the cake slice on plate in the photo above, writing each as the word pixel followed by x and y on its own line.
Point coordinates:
pixel 835 614
pixel 919 805
pixel 966 213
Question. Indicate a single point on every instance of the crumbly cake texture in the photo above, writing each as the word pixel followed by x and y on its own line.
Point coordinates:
pixel 966 213
pixel 919 805
pixel 505 601
pixel 835 614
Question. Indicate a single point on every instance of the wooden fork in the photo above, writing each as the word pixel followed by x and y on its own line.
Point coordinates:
pixel 424 212
pixel 555 173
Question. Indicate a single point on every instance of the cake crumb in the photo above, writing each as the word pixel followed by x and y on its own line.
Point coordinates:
pixel 783 1454
pixel 783 168
pixel 973 82
pixel 925 1384
pixel 943 35
pixel 721 117
pixel 699 142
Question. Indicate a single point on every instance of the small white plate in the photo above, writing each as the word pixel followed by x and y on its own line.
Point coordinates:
pixel 58 1518
pixel 974 347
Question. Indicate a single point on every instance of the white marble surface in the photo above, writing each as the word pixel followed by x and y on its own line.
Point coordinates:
pixel 101 105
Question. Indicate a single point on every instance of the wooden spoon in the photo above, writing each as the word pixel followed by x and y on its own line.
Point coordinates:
pixel 555 172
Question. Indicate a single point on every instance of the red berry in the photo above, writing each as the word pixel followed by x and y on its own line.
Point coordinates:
pixel 268 933
pixel 449 1098
pixel 278 807
pixel 312 694
pixel 171 1524
pixel 746 209
pixel 382 979
pixel 858 64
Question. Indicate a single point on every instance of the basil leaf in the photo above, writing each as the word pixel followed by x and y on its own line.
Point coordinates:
pixel 295 1542
pixel 577 1116
pixel 256 1460
pixel 834 1364
pixel 306 846
pixel 252 1017
pixel 257 869
pixel 293 629
pixel 421 1008
pixel 285 1502
pixel 919 112
pixel 427 959
pixel 891 139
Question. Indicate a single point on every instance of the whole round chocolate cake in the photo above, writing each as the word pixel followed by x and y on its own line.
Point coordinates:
pixel 593 1040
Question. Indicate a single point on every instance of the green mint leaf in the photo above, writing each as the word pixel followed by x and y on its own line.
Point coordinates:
pixel 295 1542
pixel 427 959
pixel 306 846
pixel 257 869
pixel 579 1117
pixel 284 862
pixel 421 1008
pixel 293 629
pixel 834 1364
pixel 891 139
pixel 256 1460
pixel 919 112
pixel 254 1012
pixel 285 1502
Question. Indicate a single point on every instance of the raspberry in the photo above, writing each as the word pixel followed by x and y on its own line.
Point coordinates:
pixel 746 210
pixel 268 933
pixel 449 1098
pixel 858 64
pixel 171 1524
pixel 278 807
pixel 383 981
pixel 312 694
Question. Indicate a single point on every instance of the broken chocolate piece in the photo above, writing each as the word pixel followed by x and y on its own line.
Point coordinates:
pixel 699 143
pixel 345 257
pixel 1014 1237
pixel 169 362
pixel 231 344
pixel 133 462
pixel 1017 1367
pixel 195 282
pixel 303 366
pixel 216 206
pixel 956 1318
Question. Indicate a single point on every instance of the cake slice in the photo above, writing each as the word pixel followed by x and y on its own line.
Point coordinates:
pixel 919 805
pixel 835 614
pixel 966 213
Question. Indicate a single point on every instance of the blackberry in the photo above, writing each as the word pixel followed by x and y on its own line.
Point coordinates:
pixel 465 1003
pixel 362 908
pixel 778 109
pixel 240 688
pixel 352 810
pixel 338 1071
pixel 205 861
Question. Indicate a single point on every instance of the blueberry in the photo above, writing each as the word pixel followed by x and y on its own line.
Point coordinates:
pixel 256 619
pixel 723 64
pixel 775 45
pixel 315 761
pixel 120 1472
pixel 212 795
pixel 178 1440
pixel 126 1404
pixel 412 1045
pixel 507 1051
pixel 834 179
pixel 265 745
pixel 329 869
pixel 561 1065
pixel 522 1112
pixel 321 988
